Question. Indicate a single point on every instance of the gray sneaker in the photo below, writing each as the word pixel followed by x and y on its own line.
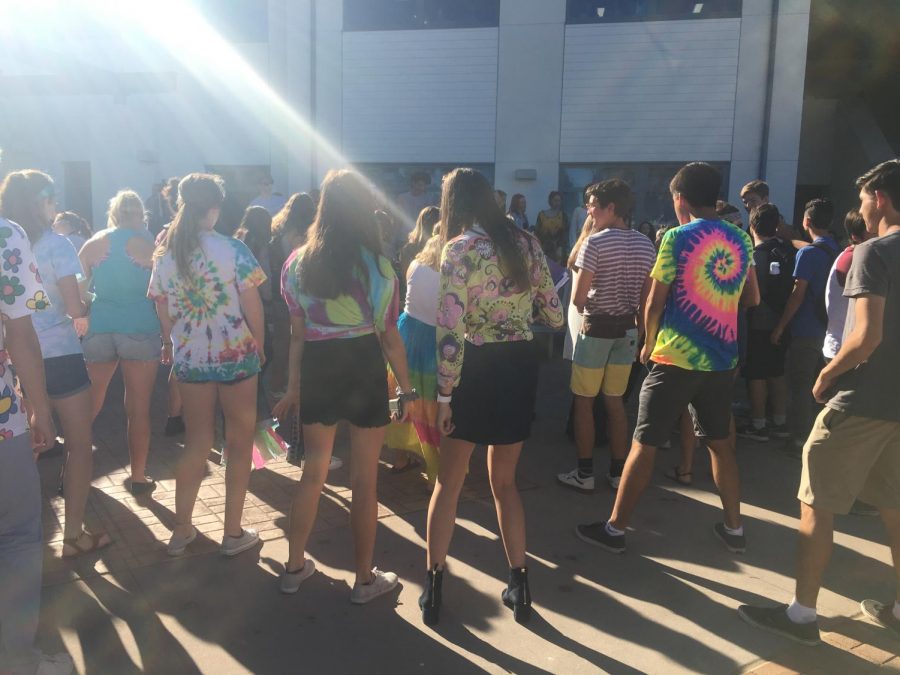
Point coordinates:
pixel 383 582
pixel 231 546
pixel 178 544
pixel 290 581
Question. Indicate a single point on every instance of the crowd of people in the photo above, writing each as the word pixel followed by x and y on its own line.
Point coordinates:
pixel 314 311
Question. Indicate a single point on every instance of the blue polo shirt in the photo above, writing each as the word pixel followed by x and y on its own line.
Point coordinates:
pixel 813 266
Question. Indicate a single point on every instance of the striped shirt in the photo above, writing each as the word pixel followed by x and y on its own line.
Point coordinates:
pixel 620 261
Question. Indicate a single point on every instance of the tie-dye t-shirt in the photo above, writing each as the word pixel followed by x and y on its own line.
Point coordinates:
pixel 705 263
pixel 373 302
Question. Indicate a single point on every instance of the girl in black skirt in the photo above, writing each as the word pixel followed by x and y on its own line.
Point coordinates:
pixel 494 284
pixel 343 298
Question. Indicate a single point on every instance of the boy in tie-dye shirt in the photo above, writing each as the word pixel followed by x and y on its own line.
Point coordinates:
pixel 702 275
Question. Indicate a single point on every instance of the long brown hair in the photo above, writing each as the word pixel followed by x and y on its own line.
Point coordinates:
pixel 467 198
pixel 344 225
pixel 428 218
pixel 296 215
pixel 255 230
pixel 21 195
pixel 198 193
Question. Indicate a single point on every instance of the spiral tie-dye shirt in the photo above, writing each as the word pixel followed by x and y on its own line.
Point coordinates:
pixel 705 263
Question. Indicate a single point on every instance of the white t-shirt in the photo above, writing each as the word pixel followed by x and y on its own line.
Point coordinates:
pixel 423 291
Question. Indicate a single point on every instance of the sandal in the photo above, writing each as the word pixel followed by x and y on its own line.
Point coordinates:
pixel 410 464
pixel 98 541
pixel 683 477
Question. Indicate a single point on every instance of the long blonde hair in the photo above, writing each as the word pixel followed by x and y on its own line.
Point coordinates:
pixel 125 205
pixel 586 231
pixel 430 255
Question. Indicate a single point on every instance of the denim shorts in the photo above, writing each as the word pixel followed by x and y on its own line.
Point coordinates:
pixel 106 347
pixel 65 375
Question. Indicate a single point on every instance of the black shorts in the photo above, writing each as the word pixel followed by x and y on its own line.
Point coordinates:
pixel 344 379
pixel 493 404
pixel 66 375
pixel 764 359
pixel 667 390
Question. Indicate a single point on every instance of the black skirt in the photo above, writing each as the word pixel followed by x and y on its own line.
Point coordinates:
pixel 493 404
pixel 344 379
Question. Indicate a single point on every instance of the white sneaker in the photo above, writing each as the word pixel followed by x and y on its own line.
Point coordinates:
pixel 55 664
pixel 384 582
pixel 290 581
pixel 613 481
pixel 178 544
pixel 336 463
pixel 574 481
pixel 231 546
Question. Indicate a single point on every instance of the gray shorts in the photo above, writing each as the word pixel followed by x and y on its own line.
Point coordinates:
pixel 106 347
pixel 668 390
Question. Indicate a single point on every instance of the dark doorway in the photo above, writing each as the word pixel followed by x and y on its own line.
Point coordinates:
pixel 79 196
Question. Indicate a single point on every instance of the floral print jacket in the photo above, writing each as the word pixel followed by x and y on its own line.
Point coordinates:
pixel 21 294
pixel 481 305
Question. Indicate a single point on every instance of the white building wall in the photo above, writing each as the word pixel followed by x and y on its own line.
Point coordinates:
pixel 656 91
pixel 420 95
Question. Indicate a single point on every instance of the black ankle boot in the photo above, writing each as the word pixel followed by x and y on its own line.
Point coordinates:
pixel 517 595
pixel 430 600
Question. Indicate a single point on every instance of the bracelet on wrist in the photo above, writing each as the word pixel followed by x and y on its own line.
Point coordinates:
pixel 444 399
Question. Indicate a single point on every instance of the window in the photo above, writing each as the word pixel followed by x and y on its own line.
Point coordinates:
pixel 238 21
pixel 373 15
pixel 650 183
pixel 612 11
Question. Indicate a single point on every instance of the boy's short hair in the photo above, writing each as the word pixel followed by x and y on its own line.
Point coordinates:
pixel 855 226
pixel 820 213
pixel 613 191
pixel 699 183
pixel 764 220
pixel 885 178
pixel 757 187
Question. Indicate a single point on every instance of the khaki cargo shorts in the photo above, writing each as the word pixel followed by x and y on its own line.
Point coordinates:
pixel 848 457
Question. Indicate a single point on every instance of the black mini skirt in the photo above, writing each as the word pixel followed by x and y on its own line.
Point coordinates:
pixel 493 404
pixel 344 379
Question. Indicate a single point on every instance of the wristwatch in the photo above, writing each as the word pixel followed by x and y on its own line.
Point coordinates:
pixel 407 397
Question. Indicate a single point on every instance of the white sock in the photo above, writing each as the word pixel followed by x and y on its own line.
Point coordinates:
pixel 799 613
pixel 737 532
pixel 613 531
pixel 779 419
pixel 759 424
pixel 897 609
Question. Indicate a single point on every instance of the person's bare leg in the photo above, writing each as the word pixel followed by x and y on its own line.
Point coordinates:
pixel 758 390
pixel 688 442
pixel 318 443
pixel 73 412
pixel 727 478
pixel 139 376
pixel 583 423
pixel 635 479
pixel 101 373
pixel 173 405
pixel 239 407
pixel 365 446
pixel 502 462
pixel 816 535
pixel 891 519
pixel 617 426
pixel 199 406
pixel 778 392
pixel 454 464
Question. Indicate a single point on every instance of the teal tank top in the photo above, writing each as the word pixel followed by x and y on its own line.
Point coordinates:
pixel 120 287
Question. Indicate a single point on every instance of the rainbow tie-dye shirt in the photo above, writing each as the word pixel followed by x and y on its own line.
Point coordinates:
pixel 705 263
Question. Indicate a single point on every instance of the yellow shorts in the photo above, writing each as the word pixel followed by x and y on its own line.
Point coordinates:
pixel 602 364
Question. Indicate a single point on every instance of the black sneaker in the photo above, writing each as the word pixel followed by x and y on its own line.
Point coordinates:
pixel 736 543
pixel 174 426
pixel 775 620
pixel 755 433
pixel 881 614
pixel 596 535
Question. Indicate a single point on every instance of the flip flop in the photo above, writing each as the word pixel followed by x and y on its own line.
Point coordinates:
pixel 99 541
pixel 682 477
